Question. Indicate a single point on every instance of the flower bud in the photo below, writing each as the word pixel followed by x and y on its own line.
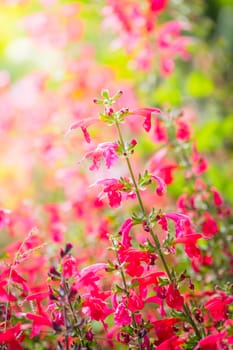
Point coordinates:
pixel 67 249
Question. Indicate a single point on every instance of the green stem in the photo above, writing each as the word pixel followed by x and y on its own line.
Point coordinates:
pixel 130 169
pixel 191 321
pixel 153 235
pixel 155 238
pixel 158 246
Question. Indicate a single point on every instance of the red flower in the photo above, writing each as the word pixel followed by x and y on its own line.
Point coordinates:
pixel 39 322
pixel 157 5
pixel 150 278
pixel 189 242
pixel 10 334
pixel 164 328
pixel 135 301
pixel 133 258
pixel 166 173
pixel 38 296
pixel 5 296
pixel 95 305
pixel 217 306
pixel 217 198
pixel 211 342
pixel 174 299
pixel 209 226
pixel 171 344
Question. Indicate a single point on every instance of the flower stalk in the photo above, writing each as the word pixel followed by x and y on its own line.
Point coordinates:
pixel 153 235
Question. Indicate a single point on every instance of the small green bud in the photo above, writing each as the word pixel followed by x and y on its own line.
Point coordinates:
pixel 105 93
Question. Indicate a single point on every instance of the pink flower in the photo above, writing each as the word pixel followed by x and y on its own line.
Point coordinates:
pixel 114 194
pixel 83 124
pixel 217 198
pixel 112 187
pixel 69 267
pixel 161 187
pixel 183 131
pixel 158 166
pixel 124 230
pixel 167 65
pixel 122 316
pixel 4 218
pixel 147 114
pixel 90 275
pixel 169 31
pixel 55 224
pixel 180 221
pixel 107 150
pixel 199 163
pixel 162 221
pixel 160 132
pixel 95 305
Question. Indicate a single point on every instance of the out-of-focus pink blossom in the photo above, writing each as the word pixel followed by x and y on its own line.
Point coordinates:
pixel 107 150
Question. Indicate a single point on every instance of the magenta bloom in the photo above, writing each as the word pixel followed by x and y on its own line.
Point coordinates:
pixel 122 316
pixel 147 114
pixel 217 306
pixel 173 298
pixel 211 342
pixel 106 150
pixel 209 226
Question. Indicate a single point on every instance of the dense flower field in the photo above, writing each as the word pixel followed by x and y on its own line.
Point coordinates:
pixel 115 208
